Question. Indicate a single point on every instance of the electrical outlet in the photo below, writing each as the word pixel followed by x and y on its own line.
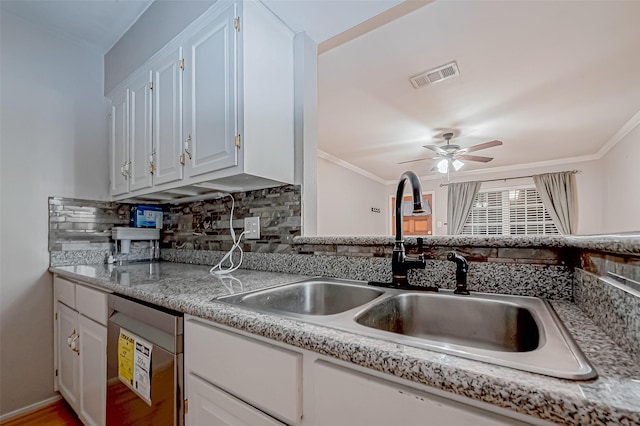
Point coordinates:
pixel 252 228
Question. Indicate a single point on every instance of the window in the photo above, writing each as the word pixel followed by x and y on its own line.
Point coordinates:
pixel 516 211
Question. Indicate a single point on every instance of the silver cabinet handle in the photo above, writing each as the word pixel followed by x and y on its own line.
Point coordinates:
pixel 74 344
pixel 186 146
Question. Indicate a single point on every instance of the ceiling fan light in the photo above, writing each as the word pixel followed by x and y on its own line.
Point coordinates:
pixel 443 166
pixel 457 164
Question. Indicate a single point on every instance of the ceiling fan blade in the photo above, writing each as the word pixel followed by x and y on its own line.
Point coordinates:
pixel 485 145
pixel 418 159
pixel 435 149
pixel 479 158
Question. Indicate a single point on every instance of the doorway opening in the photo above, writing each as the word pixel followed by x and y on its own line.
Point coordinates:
pixel 413 224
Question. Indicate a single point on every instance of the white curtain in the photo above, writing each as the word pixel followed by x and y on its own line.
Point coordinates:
pixel 459 204
pixel 560 197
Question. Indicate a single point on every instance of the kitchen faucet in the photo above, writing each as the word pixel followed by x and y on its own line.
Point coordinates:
pixel 461 272
pixel 400 262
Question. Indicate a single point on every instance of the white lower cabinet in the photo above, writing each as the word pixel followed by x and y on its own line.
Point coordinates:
pixel 68 359
pixel 261 375
pixel 211 406
pixel 347 398
pixel 93 371
pixel 81 349
pixel 235 379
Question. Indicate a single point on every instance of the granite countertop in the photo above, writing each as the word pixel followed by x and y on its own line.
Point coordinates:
pixel 612 243
pixel 613 398
pixel 176 286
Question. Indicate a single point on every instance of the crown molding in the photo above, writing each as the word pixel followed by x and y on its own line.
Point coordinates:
pixel 512 167
pixel 619 135
pixel 523 166
pixel 395 12
pixel 335 160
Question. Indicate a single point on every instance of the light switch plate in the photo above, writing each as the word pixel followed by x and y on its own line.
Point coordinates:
pixel 252 228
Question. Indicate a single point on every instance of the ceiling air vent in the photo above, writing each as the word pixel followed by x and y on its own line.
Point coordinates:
pixel 435 75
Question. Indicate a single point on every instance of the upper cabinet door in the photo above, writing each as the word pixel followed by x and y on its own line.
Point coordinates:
pixel 140 131
pixel 119 141
pixel 167 117
pixel 210 96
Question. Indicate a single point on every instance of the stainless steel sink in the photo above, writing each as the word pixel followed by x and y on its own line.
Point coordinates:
pixel 313 297
pixel 513 331
pixel 479 323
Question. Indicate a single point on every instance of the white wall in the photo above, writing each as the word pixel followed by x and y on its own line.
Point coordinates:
pixel 53 142
pixel 306 128
pixel 621 179
pixel 345 199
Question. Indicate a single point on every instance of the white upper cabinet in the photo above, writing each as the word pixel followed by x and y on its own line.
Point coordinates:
pixel 167 117
pixel 210 96
pixel 119 142
pixel 140 131
pixel 130 135
pixel 220 114
pixel 266 91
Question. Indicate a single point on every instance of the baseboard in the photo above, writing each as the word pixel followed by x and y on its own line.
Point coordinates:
pixel 30 408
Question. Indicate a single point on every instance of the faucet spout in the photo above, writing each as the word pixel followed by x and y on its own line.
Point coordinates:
pixel 400 262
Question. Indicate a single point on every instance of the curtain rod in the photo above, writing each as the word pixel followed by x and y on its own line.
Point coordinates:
pixel 511 178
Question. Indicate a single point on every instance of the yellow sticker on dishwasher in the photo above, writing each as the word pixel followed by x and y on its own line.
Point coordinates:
pixel 126 348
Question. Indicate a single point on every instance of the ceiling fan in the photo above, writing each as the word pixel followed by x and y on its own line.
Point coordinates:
pixel 450 155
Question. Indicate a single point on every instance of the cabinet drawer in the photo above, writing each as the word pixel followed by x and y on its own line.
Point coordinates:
pixel 65 291
pixel 248 369
pixel 347 398
pixel 209 405
pixel 92 303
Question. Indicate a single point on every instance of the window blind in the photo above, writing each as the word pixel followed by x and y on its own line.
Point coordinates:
pixel 517 211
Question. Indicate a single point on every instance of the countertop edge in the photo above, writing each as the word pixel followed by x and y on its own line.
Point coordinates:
pixel 611 243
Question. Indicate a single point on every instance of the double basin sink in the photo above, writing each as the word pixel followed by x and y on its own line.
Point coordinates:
pixel 519 332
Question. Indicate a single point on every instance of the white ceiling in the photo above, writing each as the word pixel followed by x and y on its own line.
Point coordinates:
pixel 553 80
pixel 96 23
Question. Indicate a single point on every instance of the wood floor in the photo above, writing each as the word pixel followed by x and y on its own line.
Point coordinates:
pixel 57 414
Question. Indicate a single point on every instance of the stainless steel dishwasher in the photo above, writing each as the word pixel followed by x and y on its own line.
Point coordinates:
pixel 144 364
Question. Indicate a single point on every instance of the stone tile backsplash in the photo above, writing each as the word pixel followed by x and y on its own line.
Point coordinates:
pixel 548 281
pixel 204 225
pixel 613 307
pixel 80 230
